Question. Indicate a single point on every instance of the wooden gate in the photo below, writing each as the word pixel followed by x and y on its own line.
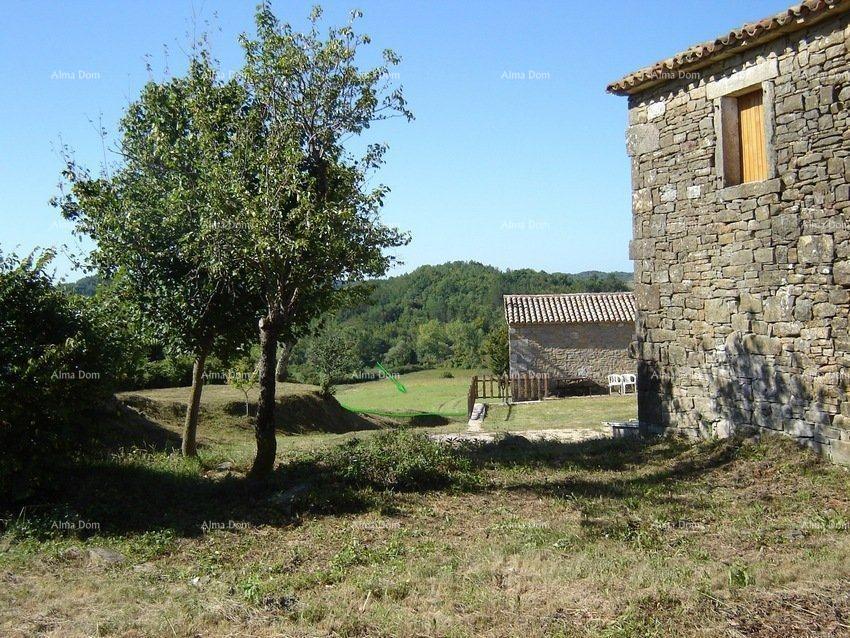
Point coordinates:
pixel 516 387
pixel 529 387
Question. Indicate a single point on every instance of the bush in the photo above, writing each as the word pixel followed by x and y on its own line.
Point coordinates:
pixel 398 460
pixel 165 373
pixel 496 350
pixel 60 364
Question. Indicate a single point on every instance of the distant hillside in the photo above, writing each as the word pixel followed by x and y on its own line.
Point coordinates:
pixel 438 315
pixel 85 286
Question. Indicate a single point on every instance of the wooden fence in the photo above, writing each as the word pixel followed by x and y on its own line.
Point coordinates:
pixel 516 387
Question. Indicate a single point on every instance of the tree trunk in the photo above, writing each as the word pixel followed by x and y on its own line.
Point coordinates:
pixel 283 361
pixel 264 428
pixel 189 444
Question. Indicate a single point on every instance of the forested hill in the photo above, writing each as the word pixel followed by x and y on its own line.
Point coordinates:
pixel 467 291
pixel 441 314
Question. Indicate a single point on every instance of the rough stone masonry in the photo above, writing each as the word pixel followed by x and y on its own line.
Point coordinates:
pixel 743 290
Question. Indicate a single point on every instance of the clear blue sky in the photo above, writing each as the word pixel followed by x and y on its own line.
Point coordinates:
pixel 507 171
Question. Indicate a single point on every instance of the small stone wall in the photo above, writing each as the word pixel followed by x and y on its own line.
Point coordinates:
pixel 742 291
pixel 564 351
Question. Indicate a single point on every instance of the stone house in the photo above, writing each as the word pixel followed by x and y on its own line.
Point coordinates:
pixel 740 152
pixel 578 339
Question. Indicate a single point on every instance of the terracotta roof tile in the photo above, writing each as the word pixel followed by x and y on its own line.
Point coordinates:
pixel 794 18
pixel 595 307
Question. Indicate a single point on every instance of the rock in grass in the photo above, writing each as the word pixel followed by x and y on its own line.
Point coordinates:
pixel 145 568
pixel 72 554
pixel 287 500
pixel 105 557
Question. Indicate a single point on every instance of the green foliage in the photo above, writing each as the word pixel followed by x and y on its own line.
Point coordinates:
pixel 464 298
pixel 85 286
pixel 432 343
pixel 739 576
pixel 173 372
pixel 61 357
pixel 244 376
pixel 330 357
pixel 398 460
pixel 309 221
pixel 496 350
pixel 386 329
pixel 401 354
pixel 164 220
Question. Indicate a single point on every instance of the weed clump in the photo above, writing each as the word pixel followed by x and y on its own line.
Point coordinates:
pixel 398 460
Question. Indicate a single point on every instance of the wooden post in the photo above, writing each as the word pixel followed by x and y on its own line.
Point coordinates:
pixel 471 396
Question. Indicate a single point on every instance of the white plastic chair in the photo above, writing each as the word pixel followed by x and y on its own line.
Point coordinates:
pixel 615 381
pixel 629 380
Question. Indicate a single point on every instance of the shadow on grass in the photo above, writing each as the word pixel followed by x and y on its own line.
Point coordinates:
pixel 134 495
pixel 603 468
pixel 427 420
pixel 128 429
pixel 595 454
pixel 152 491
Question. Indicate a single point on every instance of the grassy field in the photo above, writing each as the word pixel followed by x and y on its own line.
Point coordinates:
pixel 428 392
pixel 399 537
pixel 573 412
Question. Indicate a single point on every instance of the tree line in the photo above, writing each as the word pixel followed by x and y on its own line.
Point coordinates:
pixel 446 315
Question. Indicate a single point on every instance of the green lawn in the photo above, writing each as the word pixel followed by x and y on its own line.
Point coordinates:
pixel 428 392
pixel 572 412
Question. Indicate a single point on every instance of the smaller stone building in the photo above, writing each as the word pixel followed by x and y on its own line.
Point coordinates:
pixel 574 338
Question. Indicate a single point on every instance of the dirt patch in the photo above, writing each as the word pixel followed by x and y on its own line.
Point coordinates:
pixel 825 612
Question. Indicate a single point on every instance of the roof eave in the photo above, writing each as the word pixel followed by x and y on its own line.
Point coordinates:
pixel 625 87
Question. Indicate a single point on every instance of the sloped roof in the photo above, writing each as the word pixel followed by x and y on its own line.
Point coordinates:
pixel 589 307
pixel 749 35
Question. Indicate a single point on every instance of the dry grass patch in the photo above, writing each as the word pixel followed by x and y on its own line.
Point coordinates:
pixel 604 538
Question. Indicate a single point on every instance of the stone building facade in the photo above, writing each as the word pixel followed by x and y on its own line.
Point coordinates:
pixel 571 336
pixel 743 289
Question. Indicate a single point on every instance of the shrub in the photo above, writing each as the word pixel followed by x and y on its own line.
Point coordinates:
pixel 59 366
pixel 398 460
pixel 166 373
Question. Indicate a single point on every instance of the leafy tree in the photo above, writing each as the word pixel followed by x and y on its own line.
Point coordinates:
pixel 466 339
pixel 164 220
pixel 496 350
pixel 467 293
pixel 244 377
pixel 386 325
pixel 432 343
pixel 401 354
pixel 312 217
pixel 331 355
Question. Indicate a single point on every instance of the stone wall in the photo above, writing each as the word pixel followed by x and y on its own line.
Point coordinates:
pixel 742 291
pixel 565 351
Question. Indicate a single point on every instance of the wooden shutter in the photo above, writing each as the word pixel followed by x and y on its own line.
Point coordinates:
pixel 751 134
